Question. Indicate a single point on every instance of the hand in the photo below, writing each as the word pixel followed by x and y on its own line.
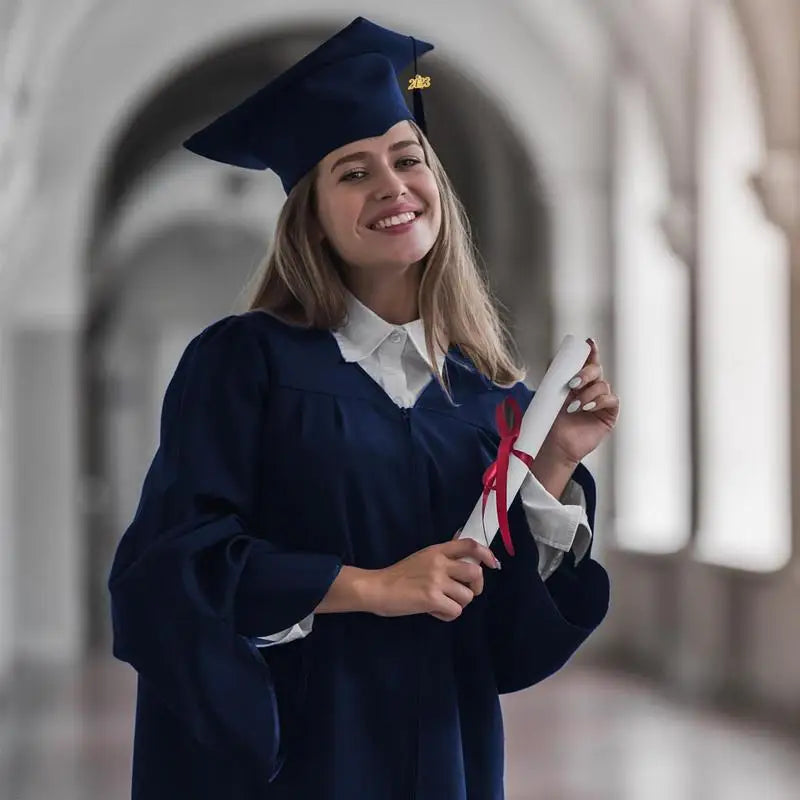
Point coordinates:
pixel 576 434
pixel 432 581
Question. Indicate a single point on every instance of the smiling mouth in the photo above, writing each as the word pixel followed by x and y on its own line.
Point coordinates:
pixel 417 215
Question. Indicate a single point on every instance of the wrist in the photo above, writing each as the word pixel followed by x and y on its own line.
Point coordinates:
pixel 368 590
pixel 553 471
pixel 352 590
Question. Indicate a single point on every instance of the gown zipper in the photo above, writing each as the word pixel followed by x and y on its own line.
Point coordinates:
pixel 406 414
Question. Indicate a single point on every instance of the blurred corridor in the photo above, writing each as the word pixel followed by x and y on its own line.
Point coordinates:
pixel 631 171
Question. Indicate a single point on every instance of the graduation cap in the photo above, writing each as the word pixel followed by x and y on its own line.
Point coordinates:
pixel 345 90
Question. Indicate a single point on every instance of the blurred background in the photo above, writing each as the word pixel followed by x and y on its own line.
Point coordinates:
pixel 631 169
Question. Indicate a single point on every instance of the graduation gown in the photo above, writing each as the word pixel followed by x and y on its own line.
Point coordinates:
pixel 278 463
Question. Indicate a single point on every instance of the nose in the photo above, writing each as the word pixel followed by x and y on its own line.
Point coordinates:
pixel 390 183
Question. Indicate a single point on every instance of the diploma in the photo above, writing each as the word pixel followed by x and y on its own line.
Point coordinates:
pixel 539 417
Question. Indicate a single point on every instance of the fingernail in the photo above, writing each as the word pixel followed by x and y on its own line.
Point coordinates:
pixel 573 406
pixel 497 564
pixel 589 406
pixel 575 382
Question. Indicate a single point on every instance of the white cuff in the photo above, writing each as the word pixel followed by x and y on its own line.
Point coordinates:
pixel 557 525
pixel 297 631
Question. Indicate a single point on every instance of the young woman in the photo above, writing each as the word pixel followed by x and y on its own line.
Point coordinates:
pixel 289 591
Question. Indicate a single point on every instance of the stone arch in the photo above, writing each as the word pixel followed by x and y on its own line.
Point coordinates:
pixel 544 179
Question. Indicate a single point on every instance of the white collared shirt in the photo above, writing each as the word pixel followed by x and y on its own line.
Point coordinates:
pixel 395 357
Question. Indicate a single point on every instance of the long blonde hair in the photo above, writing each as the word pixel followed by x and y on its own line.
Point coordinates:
pixel 300 281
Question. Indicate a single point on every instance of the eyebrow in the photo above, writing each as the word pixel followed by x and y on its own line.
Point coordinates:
pixel 363 153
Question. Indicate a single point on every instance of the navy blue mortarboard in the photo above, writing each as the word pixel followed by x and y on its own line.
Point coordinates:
pixel 345 90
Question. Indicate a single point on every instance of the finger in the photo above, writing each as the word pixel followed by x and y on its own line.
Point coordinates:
pixel 468 574
pixel 594 353
pixel 457 591
pixel 446 609
pixel 469 547
pixel 475 587
pixel 464 571
pixel 588 374
pixel 593 391
pixel 601 402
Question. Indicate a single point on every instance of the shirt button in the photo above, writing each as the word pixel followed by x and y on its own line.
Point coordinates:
pixel 396 336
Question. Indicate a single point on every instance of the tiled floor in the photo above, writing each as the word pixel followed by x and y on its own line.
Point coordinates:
pixel 580 735
pixel 591 735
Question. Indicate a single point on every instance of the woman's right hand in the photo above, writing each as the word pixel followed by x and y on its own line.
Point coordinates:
pixel 432 581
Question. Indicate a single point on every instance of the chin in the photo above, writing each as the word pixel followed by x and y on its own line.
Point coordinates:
pixel 411 256
pixel 416 249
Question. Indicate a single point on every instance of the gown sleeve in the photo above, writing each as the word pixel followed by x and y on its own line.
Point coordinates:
pixel 195 574
pixel 534 626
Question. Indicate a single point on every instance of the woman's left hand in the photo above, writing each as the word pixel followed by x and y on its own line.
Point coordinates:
pixel 575 434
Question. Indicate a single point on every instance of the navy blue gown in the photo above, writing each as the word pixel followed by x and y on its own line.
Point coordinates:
pixel 278 463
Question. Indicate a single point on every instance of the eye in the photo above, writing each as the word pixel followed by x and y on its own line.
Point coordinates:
pixel 354 172
pixel 351 174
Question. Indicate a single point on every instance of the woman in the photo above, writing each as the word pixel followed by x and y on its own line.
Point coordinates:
pixel 289 591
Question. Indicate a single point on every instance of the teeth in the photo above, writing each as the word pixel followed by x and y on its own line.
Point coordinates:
pixel 397 220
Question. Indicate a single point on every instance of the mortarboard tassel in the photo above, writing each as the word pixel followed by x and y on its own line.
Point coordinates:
pixel 419 112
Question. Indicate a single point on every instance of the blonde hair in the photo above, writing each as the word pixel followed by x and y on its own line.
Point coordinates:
pixel 300 280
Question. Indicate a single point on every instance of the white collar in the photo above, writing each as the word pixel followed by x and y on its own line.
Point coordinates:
pixel 364 331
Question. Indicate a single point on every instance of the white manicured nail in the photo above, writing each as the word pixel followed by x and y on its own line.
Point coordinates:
pixel 575 382
pixel 589 406
pixel 573 406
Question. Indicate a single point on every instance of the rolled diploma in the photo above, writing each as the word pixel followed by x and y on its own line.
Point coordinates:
pixel 536 423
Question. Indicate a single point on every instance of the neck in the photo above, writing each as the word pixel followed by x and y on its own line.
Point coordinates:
pixel 391 298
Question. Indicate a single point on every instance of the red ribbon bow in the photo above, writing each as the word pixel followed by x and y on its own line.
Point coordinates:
pixel 496 475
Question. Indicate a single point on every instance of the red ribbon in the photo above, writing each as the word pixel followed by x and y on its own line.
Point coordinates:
pixel 496 475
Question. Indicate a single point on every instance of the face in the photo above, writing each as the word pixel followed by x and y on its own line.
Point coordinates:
pixel 364 182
